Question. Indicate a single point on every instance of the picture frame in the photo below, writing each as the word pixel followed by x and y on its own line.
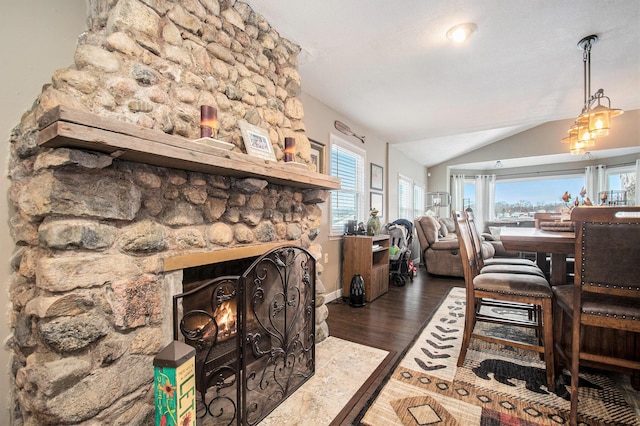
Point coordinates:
pixel 318 156
pixel 376 199
pixel 377 177
pixel 256 141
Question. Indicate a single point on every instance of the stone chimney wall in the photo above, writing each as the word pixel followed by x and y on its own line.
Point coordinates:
pixel 90 300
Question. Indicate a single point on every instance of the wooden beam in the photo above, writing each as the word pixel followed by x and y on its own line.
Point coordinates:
pixel 63 127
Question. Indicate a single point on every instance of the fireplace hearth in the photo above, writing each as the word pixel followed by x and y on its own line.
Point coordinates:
pixel 254 335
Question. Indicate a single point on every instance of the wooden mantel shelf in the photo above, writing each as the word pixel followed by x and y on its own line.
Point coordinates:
pixel 190 260
pixel 65 127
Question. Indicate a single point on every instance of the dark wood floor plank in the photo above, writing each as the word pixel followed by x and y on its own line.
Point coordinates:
pixel 390 322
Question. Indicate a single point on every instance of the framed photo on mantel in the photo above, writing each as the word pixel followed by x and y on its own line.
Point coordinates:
pixel 256 141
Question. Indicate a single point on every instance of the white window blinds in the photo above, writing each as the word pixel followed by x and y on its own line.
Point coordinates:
pixel 348 202
pixel 405 197
pixel 418 201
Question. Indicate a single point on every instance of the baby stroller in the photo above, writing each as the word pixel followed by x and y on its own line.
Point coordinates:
pixel 400 262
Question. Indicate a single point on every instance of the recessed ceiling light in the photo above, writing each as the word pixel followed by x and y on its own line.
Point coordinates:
pixel 461 32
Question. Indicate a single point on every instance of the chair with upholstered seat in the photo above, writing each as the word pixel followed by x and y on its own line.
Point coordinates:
pixel 505 287
pixel 606 288
pixel 502 264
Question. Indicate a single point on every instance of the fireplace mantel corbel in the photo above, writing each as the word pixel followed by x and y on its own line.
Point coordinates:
pixel 66 127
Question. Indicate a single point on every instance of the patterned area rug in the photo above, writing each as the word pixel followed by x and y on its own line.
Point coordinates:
pixel 497 385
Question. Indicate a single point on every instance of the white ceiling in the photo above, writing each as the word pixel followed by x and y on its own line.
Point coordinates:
pixel 389 67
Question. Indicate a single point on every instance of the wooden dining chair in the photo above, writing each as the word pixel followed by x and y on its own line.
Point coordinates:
pixel 606 289
pixel 506 287
pixel 546 221
pixel 502 264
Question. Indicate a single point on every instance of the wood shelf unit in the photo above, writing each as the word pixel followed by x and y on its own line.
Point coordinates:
pixel 369 257
pixel 65 127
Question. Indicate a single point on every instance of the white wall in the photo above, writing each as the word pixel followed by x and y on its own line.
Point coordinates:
pixel 39 36
pixel 319 121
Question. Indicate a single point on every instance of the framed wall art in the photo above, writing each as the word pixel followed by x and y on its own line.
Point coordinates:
pixel 377 177
pixel 318 156
pixel 376 200
pixel 256 141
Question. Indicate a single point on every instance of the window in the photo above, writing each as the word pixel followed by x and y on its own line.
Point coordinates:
pixel 469 198
pixel 405 197
pixel 622 179
pixel 410 198
pixel 347 163
pixel 418 201
pixel 523 197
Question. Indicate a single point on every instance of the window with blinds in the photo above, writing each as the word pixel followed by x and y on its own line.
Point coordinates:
pixel 418 201
pixel 347 203
pixel 405 197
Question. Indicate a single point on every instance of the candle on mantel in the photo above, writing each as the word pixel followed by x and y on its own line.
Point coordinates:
pixel 208 121
pixel 289 149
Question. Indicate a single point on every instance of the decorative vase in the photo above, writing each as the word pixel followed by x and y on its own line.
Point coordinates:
pixel 373 225
pixel 356 292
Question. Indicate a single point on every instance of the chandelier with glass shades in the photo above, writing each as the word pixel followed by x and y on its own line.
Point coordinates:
pixel 594 120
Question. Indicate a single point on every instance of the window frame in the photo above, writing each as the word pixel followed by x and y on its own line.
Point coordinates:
pixel 360 155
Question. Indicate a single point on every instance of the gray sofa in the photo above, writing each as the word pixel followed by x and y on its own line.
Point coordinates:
pixel 439 247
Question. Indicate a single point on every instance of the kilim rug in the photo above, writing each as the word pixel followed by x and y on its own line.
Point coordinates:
pixel 497 385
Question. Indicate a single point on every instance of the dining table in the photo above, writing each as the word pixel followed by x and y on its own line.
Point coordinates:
pixel 558 244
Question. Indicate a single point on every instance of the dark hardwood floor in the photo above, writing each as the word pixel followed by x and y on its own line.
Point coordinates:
pixel 390 322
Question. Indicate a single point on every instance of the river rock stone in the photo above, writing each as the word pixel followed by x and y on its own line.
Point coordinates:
pixel 68 273
pixel 53 377
pixel 143 237
pixel 69 334
pixel 135 302
pixel 97 391
pixel 182 214
pixel 108 195
pixel 243 234
pixel 265 232
pixel 184 19
pixel 88 56
pixel 65 156
pixel 214 208
pixel 189 238
pixel 69 304
pixel 134 18
pixel 22 230
pixel 67 234
pixel 293 231
pixel 220 233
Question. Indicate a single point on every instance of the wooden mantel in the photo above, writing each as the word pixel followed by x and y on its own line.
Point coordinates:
pixel 65 127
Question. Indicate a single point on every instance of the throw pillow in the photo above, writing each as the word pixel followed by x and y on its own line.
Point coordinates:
pixel 443 231
pixel 495 232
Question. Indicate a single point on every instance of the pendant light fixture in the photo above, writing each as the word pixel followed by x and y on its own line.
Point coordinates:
pixel 595 118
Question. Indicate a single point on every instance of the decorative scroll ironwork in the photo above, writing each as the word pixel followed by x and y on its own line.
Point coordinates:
pixel 244 372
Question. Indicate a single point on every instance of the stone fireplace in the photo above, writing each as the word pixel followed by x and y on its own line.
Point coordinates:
pixel 112 203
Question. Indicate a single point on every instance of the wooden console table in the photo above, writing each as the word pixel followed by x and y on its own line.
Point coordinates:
pixel 369 257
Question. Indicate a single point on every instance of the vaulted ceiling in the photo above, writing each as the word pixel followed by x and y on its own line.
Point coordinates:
pixel 388 66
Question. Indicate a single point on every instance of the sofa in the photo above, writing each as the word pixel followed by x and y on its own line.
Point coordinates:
pixel 439 247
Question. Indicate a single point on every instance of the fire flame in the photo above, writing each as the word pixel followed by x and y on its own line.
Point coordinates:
pixel 226 318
